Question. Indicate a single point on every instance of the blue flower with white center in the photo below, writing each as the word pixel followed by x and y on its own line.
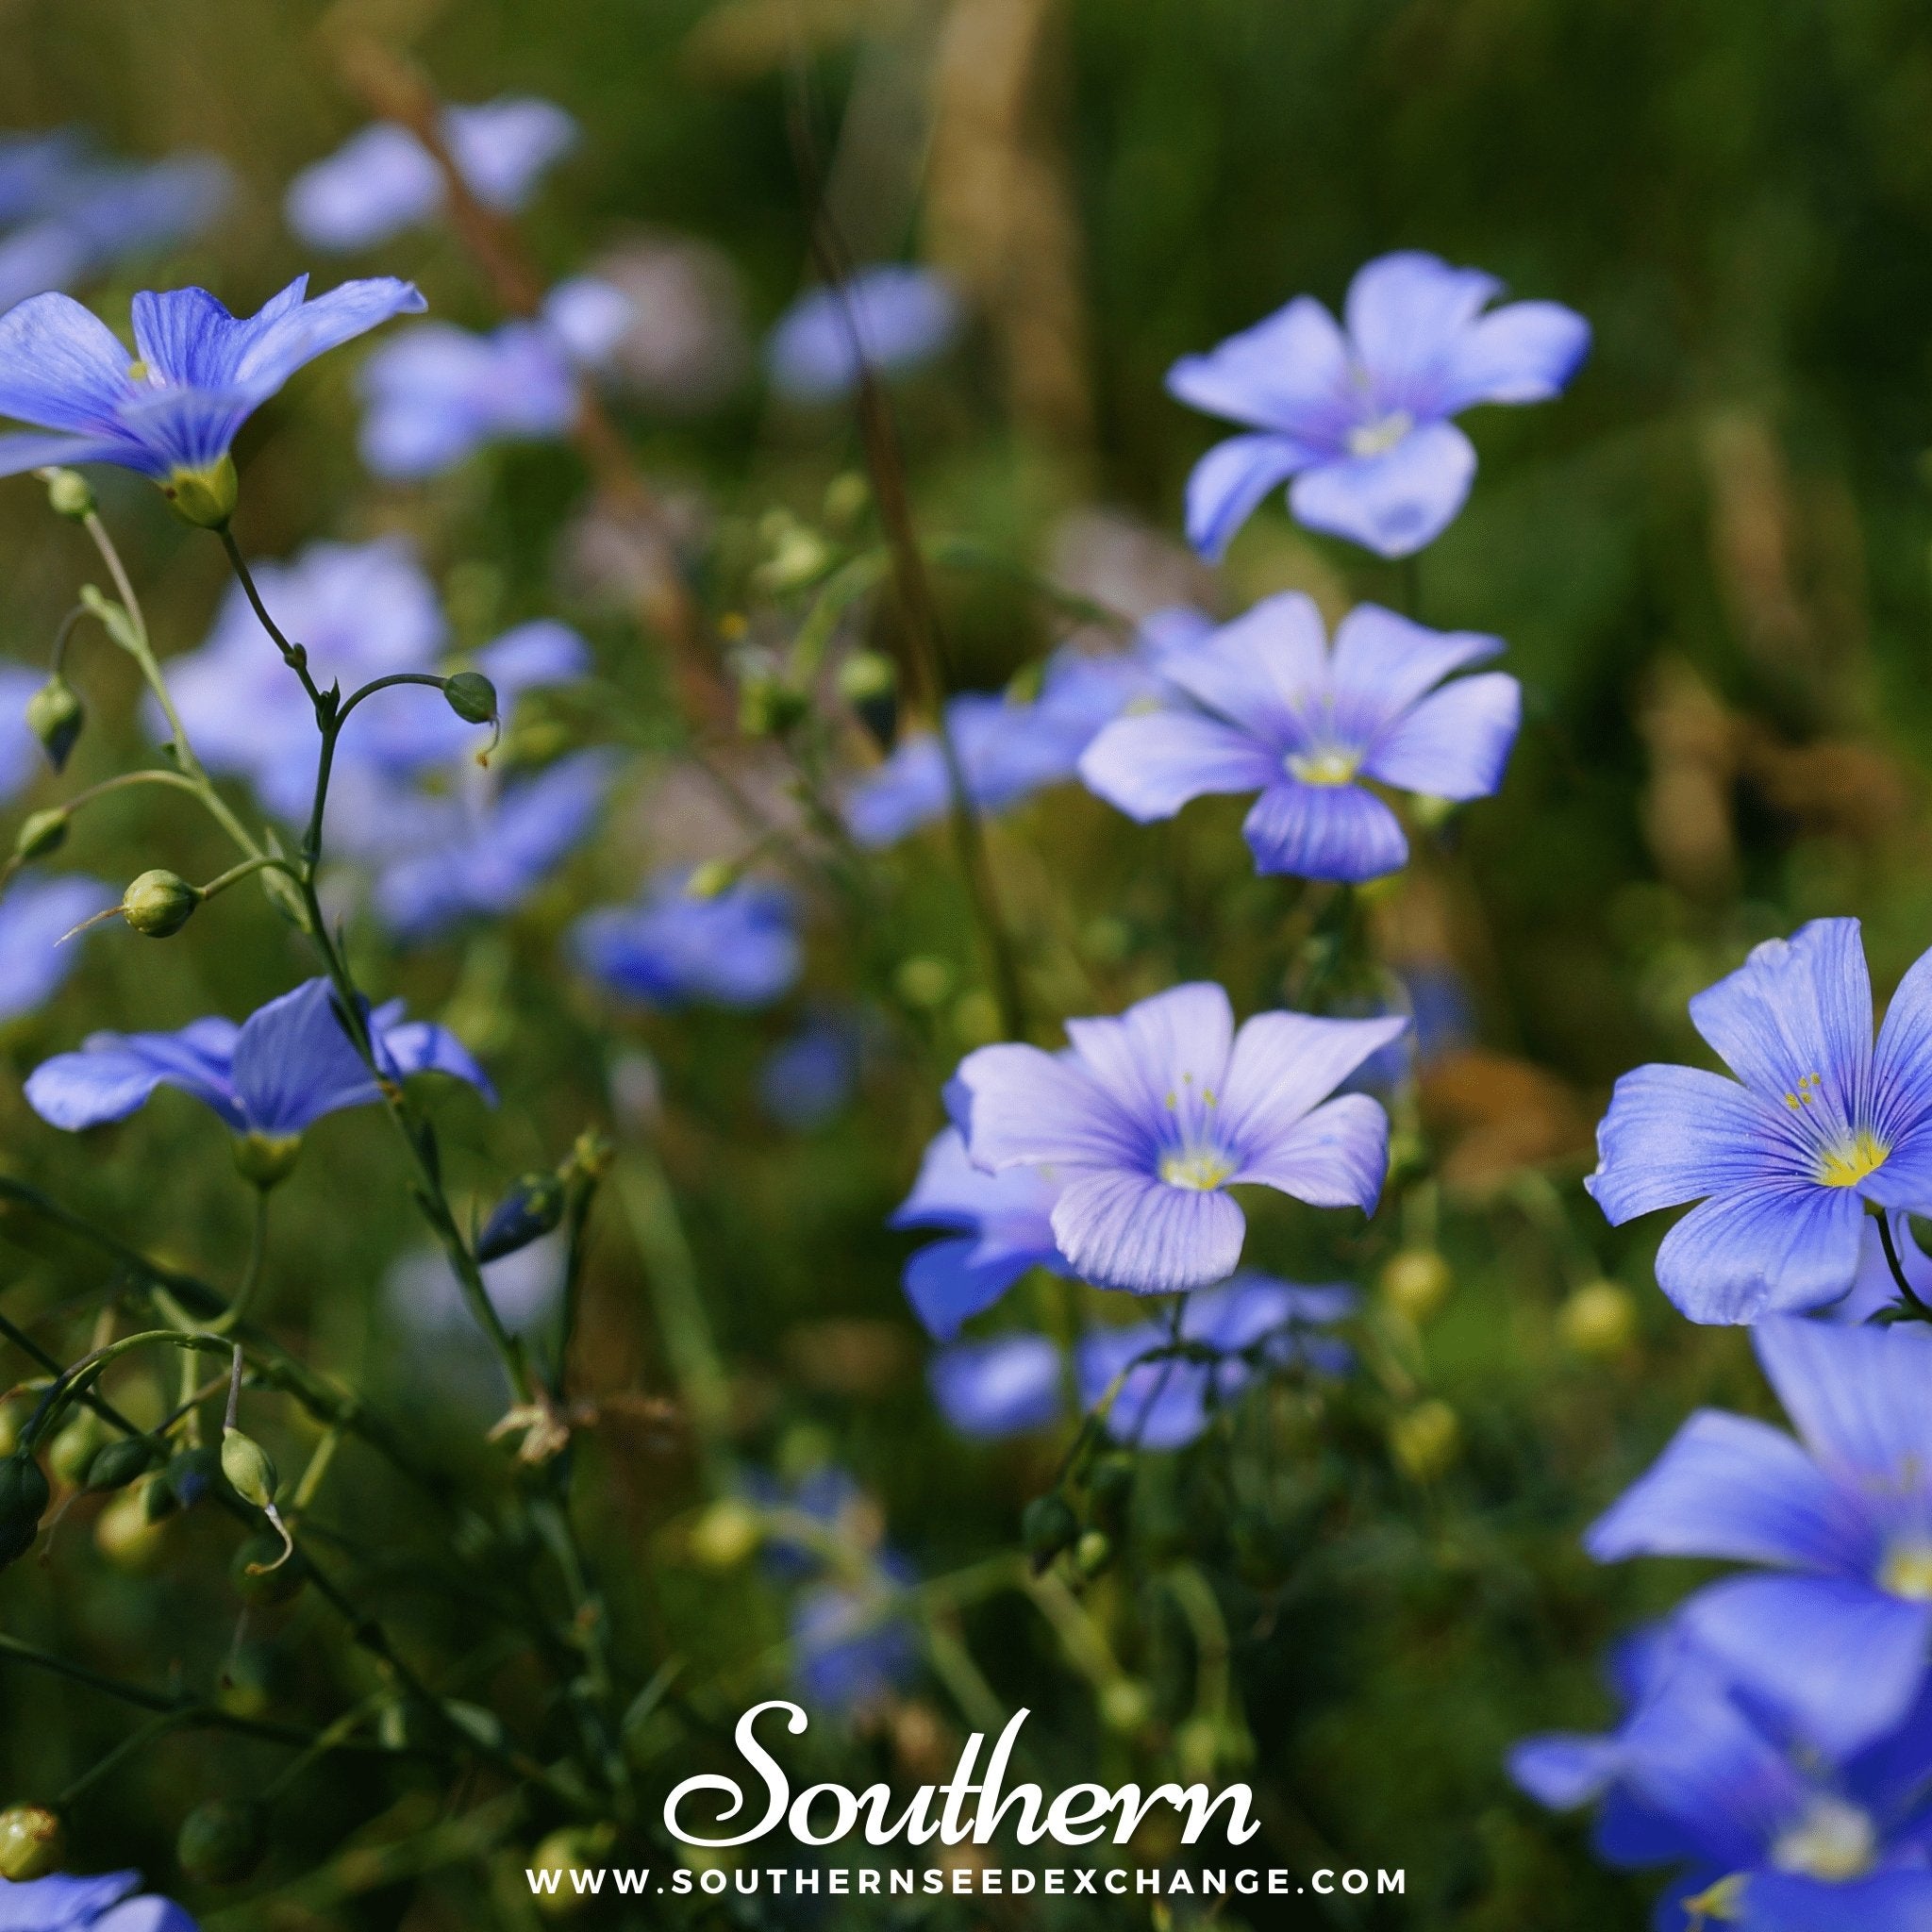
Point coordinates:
pixel 1785 1157
pixel 737 947
pixel 1167 1403
pixel 1266 706
pixel 171 411
pixel 383 179
pixel 1008 750
pixel 269 1079
pixel 1011 1385
pixel 1148 1120
pixel 897 317
pixel 1767 1834
pixel 1000 1225
pixel 37 912
pixel 1835 1639
pixel 1360 417
pixel 102 1904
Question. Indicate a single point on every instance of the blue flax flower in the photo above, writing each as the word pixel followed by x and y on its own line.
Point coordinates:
pixel 1008 750
pixel 1785 1157
pixel 64 1904
pixel 1000 1227
pixel 1360 418
pixel 675 947
pixel 1835 1637
pixel 269 1079
pixel 1767 1834
pixel 1167 1403
pixel 852 1649
pixel 1148 1121
pixel 1268 707
pixel 902 317
pixel 1008 1386
pixel 36 914
pixel 383 179
pixel 171 411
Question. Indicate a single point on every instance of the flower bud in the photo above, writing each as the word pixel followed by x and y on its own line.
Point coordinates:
pixel 725 1535
pixel 126 1534
pixel 1048 1526
pixel 23 1496
pixel 1094 1553
pixel 55 715
pixel 471 697
pixel 1600 1319
pixel 117 1464
pixel 31 1843
pixel 71 1454
pixel 40 832
pixel 159 902
pixel 261 1574
pixel 1415 1282
pixel 190 1474
pixel 531 1208
pixel 1125 1705
pixel 221 1842
pixel 1427 1440
pixel 247 1466
pixel 204 498
pixel 870 684
pixel 69 495
pixel 246 1686
pixel 1111 1491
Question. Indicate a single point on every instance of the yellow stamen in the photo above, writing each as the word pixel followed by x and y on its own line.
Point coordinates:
pixel 1833 1840
pixel 1323 767
pixel 1847 1164
pixel 1376 439
pixel 1906 1571
pixel 1202 1169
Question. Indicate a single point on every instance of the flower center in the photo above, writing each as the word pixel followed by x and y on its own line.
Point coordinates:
pixel 1328 766
pixel 1833 1840
pixel 1906 1571
pixel 1377 438
pixel 1847 1163
pixel 1203 1168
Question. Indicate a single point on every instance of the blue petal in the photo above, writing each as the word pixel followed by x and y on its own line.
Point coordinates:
pixel 1901 1096
pixel 27 451
pixel 1841 1662
pixel 1384 662
pixel 1676 1134
pixel 1524 352
pixel 437 393
pixel 1290 374
pixel 113 1073
pixel 849 1649
pixel 188 340
pixel 1408 316
pixel 1564 1770
pixel 60 368
pixel 1226 486
pixel 1283 1065
pixel 1005 1386
pixel 1393 503
pixel 1163 1059
pixel 952 1193
pixel 1859 1398
pixel 1885 1902
pixel 57 1903
pixel 1266 672
pixel 1337 1157
pixel 894 316
pixel 503 147
pixel 377 183
pixel 949 1282
pixel 1337 832
pixel 1731 1486
pixel 1129 1231
pixel 294 1064
pixel 1455 743
pixel 1771 1247
pixel 36 915
pixel 737 948
pixel 1040 1109
pixel 421 1046
pixel 1160 1405
pixel 1151 764
pixel 148 1913
pixel 281 340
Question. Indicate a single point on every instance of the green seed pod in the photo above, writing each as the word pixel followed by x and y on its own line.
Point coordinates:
pixel 31 1843
pixel 870 684
pixel 190 1474
pixel 24 1497
pixel 158 1498
pixel 1094 1553
pixel 69 494
pixel 531 1208
pixel 118 1463
pixel 55 715
pixel 204 498
pixel 159 902
pixel 247 1466
pixel 71 1454
pixel 471 697
pixel 40 832
pixel 1048 1527
pixel 221 1842
pixel 260 1575
pixel 265 1160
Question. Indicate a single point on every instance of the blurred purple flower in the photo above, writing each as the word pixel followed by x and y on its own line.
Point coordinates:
pixel 850 1647
pixel 35 913
pixel 1010 1386
pixel 807 1081
pixel 383 179
pixel 673 948
pixel 1273 710
pixel 200 372
pixel 1168 1404
pixel 900 317
pixel 1816 1126
pixel 272 1076
pixel 20 754
pixel 1003 1224
pixel 1148 1118
pixel 101 1904
pixel 1835 1639
pixel 1361 419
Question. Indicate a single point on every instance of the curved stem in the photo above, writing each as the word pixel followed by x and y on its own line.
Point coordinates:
pixel 293 655
pixel 251 1279
pixel 1898 1273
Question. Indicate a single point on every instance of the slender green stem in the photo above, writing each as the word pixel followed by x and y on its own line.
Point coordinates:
pixel 251 1279
pixel 1898 1273
pixel 293 655
pixel 135 1742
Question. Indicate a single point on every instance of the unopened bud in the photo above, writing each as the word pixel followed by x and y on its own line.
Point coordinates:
pixel 1415 1282
pixel 1600 1319
pixel 531 1208
pixel 221 1842
pixel 55 715
pixel 23 1496
pixel 725 1535
pixel 246 1464
pixel 31 1843
pixel 1094 1553
pixel 1427 1440
pixel 71 1454
pixel 870 684
pixel 118 1463
pixel 69 494
pixel 471 697
pixel 1048 1527
pixel 159 902
pixel 40 832
pixel 207 497
pixel 191 1473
